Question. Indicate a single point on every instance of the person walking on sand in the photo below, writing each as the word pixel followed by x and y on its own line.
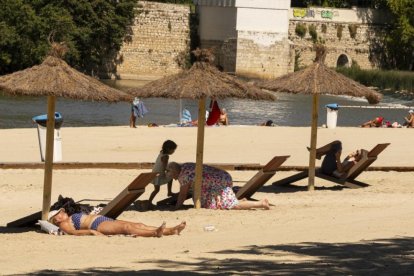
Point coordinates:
pixel 160 166
pixel 81 224
pixel 216 188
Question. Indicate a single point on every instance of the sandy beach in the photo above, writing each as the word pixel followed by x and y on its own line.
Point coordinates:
pixel 333 230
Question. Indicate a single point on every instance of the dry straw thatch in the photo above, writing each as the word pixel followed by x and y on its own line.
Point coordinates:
pixel 318 78
pixel 203 80
pixel 315 80
pixel 54 77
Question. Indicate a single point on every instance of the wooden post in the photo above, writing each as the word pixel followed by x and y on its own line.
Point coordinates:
pixel 50 129
pixel 314 132
pixel 199 154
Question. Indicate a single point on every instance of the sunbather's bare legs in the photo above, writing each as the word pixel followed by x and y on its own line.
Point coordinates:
pixel 138 229
pixel 117 227
pixel 176 230
pixel 245 205
pixel 324 149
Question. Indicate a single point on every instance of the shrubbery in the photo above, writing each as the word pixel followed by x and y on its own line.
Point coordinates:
pixel 313 33
pixel 394 80
pixel 300 30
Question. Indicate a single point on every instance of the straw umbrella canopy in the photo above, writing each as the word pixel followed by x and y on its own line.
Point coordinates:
pixel 315 80
pixel 202 80
pixel 55 78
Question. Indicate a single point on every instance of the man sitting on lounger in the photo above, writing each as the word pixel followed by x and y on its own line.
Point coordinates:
pixel 332 164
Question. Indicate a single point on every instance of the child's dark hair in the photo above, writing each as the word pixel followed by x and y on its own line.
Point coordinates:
pixel 168 146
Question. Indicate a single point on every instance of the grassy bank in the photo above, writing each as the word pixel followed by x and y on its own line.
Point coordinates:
pixel 398 82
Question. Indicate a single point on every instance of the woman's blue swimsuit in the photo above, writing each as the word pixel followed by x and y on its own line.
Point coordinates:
pixel 98 221
pixel 76 220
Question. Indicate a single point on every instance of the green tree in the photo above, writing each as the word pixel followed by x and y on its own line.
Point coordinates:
pixel 400 40
pixel 94 31
pixel 21 42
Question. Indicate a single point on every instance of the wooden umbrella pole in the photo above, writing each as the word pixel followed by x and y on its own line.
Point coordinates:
pixel 314 134
pixel 199 154
pixel 50 128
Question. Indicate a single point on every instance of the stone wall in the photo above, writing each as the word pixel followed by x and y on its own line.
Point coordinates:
pixel 245 54
pixel 225 52
pixel 250 37
pixel 359 41
pixel 342 48
pixel 159 41
pixel 263 55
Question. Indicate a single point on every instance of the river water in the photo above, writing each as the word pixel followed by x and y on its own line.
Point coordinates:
pixel 288 110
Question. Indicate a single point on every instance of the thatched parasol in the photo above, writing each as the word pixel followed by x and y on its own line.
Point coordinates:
pixel 201 81
pixel 55 78
pixel 315 80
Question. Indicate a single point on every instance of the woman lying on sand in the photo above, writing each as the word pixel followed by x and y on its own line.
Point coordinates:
pixel 216 188
pixel 82 224
pixel 377 122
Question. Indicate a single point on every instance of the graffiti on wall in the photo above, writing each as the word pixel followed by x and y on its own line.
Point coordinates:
pixel 326 14
pixel 302 13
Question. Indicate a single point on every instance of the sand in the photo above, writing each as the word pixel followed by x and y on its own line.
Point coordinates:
pixel 332 230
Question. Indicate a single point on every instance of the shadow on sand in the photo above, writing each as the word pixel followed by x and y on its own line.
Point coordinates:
pixel 17 230
pixel 373 257
pixel 294 188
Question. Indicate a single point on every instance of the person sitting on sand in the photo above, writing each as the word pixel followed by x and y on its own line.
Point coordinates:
pixel 224 119
pixel 409 120
pixel 377 122
pixel 216 188
pixel 186 119
pixel 332 164
pixel 83 224
pixel 268 123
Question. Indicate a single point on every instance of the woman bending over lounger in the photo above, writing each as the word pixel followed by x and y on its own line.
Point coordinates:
pixel 216 188
pixel 82 224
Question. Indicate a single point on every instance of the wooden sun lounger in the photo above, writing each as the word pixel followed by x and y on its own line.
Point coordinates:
pixel 112 210
pixel 349 180
pixel 261 177
pixel 128 195
pixel 26 221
